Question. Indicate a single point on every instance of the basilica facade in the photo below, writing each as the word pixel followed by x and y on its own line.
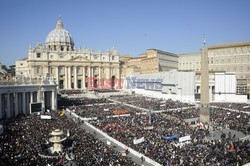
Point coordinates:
pixel 67 66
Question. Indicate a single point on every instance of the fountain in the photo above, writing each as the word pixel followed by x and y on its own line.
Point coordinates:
pixel 56 140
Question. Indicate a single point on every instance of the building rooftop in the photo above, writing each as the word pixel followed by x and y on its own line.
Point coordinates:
pixel 191 53
pixel 238 44
pixel 163 52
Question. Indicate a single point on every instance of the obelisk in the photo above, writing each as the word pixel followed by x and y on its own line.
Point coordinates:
pixel 204 101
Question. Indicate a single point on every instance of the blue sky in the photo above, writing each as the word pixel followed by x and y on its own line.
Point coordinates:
pixel 131 26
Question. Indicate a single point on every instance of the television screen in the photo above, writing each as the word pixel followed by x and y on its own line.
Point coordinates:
pixel 35 107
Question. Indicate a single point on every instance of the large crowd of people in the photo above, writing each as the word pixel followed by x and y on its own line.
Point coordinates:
pixel 159 130
pixel 156 127
pixel 199 151
pixel 25 141
pixel 229 119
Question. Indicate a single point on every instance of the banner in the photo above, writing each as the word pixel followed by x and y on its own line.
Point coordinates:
pixel 149 128
pixel 119 112
pixel 175 136
pixel 137 141
pixel 106 109
pixel 185 138
pixel 45 117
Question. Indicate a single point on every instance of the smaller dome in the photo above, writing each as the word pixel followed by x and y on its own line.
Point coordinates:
pixel 59 35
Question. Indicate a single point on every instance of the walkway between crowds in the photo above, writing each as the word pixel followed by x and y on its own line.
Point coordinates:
pixel 116 145
pixel 229 109
pixel 148 110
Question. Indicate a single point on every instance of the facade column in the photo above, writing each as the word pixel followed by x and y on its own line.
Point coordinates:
pixel 65 77
pixel 89 75
pixel 118 73
pixel 100 72
pixel 100 77
pixel 57 75
pixel 24 102
pixel 16 104
pixel 83 78
pixel 8 105
pixel 75 77
pixel 33 71
pixel 118 77
pixel 108 73
pixel 92 72
pixel 1 107
pixel 69 77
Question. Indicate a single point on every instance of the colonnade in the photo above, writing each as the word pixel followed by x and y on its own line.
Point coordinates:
pixel 15 100
pixel 75 77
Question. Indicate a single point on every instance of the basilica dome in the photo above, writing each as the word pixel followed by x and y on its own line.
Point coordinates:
pixel 59 36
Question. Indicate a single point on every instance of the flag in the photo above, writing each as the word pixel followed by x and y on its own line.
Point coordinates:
pixel 146 151
pixel 200 125
pixel 231 148
pixel 171 137
pixel 62 112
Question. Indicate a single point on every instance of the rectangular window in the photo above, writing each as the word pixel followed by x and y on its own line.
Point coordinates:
pixel 37 69
pixel 79 69
pixel 61 70
pixel 38 55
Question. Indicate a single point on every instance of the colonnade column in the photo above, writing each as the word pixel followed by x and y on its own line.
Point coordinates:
pixel 16 104
pixel 75 77
pixel 83 77
pixel 31 100
pixel 53 100
pixel 1 107
pixel 24 102
pixel 8 105
pixel 43 101
pixel 31 97
pixel 12 104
